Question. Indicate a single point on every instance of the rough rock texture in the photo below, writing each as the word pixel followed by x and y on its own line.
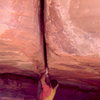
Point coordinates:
pixel 14 87
pixel 73 41
pixel 21 48
pixel 73 93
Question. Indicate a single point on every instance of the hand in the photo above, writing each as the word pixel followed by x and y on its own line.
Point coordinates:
pixel 57 86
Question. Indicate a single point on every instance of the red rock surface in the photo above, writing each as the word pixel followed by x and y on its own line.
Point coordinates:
pixel 73 41
pixel 20 37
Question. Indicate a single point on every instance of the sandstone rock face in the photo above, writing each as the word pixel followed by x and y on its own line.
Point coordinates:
pixel 21 48
pixel 73 93
pixel 73 41
pixel 14 87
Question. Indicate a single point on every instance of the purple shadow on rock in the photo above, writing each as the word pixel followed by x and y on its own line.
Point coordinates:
pixel 75 93
pixel 18 87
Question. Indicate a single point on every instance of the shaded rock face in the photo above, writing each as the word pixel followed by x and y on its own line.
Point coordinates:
pixel 74 93
pixel 73 41
pixel 16 87
pixel 20 37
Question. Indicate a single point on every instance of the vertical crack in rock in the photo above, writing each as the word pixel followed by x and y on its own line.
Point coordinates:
pixel 42 28
pixel 45 79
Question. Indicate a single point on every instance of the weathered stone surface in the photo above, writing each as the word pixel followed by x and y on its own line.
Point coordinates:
pixel 17 87
pixel 20 36
pixel 73 41
pixel 74 93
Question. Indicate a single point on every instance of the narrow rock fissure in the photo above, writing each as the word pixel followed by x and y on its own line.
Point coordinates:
pixel 45 79
pixel 42 28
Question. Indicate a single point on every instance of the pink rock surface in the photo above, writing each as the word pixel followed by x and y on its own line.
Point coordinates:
pixel 20 37
pixel 73 41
